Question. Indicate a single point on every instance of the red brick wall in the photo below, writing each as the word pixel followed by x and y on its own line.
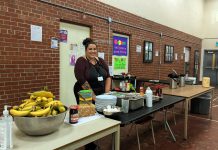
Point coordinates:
pixel 28 66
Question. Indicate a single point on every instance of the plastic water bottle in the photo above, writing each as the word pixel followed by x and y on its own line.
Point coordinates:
pixel 149 97
pixel 8 120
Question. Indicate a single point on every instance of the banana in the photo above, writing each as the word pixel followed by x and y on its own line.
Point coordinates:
pixel 54 112
pixel 17 113
pixel 28 108
pixel 33 97
pixel 50 99
pixel 57 103
pixel 49 104
pixel 61 109
pixel 15 107
pixel 40 112
pixel 43 94
pixel 30 104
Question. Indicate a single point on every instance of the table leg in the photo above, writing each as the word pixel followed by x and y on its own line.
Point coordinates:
pixel 211 103
pixel 186 118
pixel 116 138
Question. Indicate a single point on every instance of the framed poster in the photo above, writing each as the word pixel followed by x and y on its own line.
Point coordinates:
pixel 120 57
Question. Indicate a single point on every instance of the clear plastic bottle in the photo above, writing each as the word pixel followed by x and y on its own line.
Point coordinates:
pixel 8 120
pixel 3 135
pixel 149 95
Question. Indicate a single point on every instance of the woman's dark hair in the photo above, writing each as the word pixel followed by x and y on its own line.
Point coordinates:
pixel 88 41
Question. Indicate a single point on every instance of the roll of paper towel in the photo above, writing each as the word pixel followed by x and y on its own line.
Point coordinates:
pixel 206 82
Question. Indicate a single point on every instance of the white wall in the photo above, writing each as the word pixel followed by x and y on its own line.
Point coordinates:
pixel 195 17
pixel 210 29
pixel 210 21
pixel 183 15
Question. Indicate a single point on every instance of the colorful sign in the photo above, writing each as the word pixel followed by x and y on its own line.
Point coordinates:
pixel 63 36
pixel 120 63
pixel 120 46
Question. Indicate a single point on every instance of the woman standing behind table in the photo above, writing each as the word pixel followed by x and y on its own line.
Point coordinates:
pixel 91 72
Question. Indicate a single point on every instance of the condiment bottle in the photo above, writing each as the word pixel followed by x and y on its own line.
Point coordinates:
pixel 141 90
pixel 149 95
pixel 73 114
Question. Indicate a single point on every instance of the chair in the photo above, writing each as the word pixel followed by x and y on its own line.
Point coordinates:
pixel 140 122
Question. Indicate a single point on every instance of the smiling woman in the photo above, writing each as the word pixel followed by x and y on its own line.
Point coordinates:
pixel 91 72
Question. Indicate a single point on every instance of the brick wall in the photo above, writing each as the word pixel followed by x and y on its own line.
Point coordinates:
pixel 27 66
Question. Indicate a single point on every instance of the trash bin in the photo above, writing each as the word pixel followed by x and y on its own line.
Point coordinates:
pixel 201 104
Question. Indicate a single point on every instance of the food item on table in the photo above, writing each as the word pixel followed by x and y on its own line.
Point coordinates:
pixel 40 104
pixel 86 110
pixel 19 113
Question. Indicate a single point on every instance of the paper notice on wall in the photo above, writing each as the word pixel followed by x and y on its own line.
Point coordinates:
pixel 138 48
pixel 54 43
pixel 101 54
pixel 36 33
pixel 176 56
pixel 72 60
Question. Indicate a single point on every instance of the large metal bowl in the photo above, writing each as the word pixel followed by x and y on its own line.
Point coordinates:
pixel 39 125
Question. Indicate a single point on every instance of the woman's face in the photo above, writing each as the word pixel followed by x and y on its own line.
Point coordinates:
pixel 91 51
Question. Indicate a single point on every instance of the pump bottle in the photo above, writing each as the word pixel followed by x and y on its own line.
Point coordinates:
pixel 8 120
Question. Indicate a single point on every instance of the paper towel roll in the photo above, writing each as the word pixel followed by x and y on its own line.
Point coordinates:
pixel 206 82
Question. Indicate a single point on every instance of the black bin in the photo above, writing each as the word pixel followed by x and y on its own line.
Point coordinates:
pixel 201 104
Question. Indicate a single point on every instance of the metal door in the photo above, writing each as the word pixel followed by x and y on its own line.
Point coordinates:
pixel 210 66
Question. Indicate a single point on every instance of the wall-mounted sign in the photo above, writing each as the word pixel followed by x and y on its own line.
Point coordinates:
pixel 119 46
pixel 36 33
pixel 63 36
pixel 216 44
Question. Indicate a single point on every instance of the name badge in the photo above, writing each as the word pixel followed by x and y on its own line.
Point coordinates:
pixel 100 78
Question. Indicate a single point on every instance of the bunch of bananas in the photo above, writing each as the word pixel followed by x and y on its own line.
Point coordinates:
pixel 40 104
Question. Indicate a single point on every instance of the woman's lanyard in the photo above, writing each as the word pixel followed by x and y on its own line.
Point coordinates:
pixel 97 68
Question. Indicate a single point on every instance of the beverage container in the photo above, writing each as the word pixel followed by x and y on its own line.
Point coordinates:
pixel 149 95
pixel 73 114
pixel 141 91
pixel 125 105
pixel 6 130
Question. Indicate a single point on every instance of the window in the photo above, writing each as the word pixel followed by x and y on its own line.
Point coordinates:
pixel 148 52
pixel 168 57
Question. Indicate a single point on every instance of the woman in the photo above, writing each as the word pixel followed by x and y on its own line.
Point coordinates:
pixel 91 72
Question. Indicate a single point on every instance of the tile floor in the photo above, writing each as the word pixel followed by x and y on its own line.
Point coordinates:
pixel 202 133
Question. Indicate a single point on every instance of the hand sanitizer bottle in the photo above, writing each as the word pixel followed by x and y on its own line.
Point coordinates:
pixel 8 120
pixel 149 95
pixel 3 135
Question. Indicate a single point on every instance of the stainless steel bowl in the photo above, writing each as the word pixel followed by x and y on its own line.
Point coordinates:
pixel 39 125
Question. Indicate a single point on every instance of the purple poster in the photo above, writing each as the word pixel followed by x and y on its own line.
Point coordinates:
pixel 120 46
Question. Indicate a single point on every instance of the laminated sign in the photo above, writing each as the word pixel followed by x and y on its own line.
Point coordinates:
pixel 120 62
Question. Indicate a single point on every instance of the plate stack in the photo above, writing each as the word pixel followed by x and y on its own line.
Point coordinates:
pixel 102 101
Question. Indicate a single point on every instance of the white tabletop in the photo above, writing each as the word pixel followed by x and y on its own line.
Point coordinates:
pixel 65 135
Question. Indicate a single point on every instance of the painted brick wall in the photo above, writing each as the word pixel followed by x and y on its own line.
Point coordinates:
pixel 27 66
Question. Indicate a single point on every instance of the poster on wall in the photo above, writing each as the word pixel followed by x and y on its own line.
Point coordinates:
pixel 63 36
pixel 120 54
pixel 119 46
pixel 120 64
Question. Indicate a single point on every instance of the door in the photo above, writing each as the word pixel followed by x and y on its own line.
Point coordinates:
pixel 210 66
pixel 70 49
pixel 187 60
